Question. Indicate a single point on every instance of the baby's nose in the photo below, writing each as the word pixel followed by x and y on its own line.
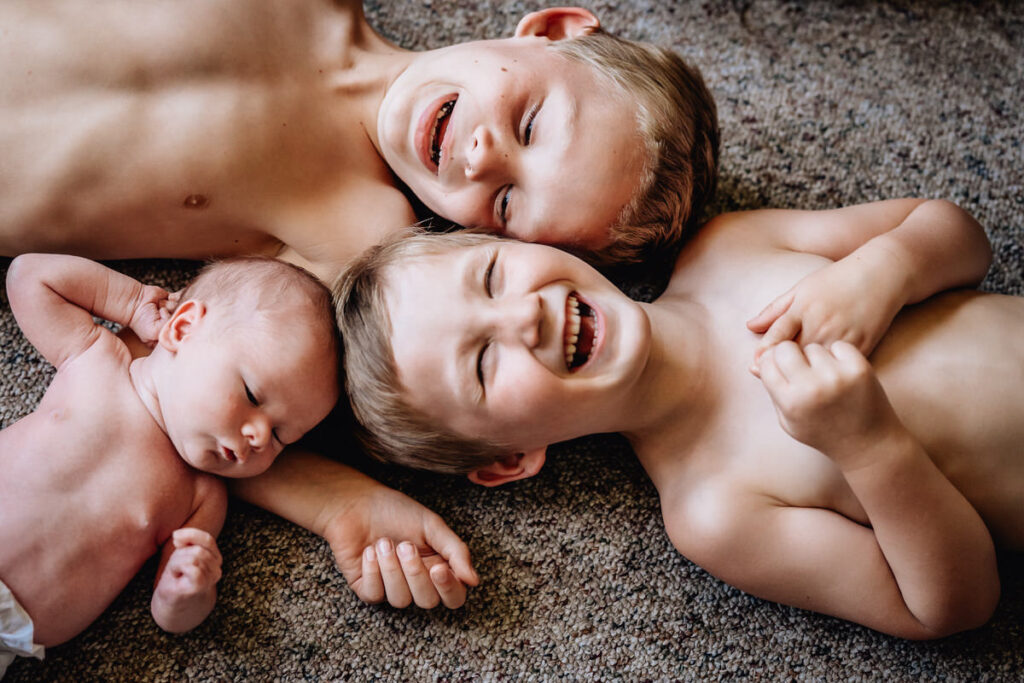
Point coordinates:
pixel 256 432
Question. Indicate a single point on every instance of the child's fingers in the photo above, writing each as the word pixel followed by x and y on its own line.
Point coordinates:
pixel 371 585
pixel 786 328
pixel 450 589
pixel 455 552
pixel 192 536
pixel 848 354
pixel 417 577
pixel 769 372
pixel 395 586
pixel 770 313
pixel 789 358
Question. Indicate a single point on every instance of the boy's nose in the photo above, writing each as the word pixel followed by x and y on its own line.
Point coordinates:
pixel 482 154
pixel 520 319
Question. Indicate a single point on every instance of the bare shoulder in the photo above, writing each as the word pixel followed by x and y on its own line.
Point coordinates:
pixel 708 522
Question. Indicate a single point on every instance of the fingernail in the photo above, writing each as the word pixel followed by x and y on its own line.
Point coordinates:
pixel 384 546
pixel 368 554
pixel 405 550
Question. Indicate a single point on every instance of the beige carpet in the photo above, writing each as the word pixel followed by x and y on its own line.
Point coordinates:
pixel 822 104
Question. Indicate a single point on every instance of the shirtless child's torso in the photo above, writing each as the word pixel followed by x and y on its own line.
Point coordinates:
pixel 724 466
pixel 98 503
pixel 176 143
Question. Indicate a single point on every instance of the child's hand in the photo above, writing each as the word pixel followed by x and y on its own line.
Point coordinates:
pixel 192 571
pixel 154 308
pixel 829 399
pixel 427 564
pixel 840 302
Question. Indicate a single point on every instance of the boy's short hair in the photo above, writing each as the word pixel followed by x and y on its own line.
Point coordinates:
pixel 260 284
pixel 678 122
pixel 390 428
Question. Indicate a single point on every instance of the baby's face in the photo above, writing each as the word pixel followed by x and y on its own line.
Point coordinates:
pixel 517 342
pixel 511 136
pixel 245 388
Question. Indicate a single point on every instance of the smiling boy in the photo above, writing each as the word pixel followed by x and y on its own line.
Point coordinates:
pixel 161 129
pixel 200 128
pixel 118 460
pixel 865 491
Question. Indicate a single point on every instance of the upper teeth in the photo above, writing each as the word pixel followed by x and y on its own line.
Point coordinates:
pixel 435 143
pixel 572 328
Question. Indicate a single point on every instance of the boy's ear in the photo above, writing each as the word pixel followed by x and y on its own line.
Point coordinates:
pixel 558 23
pixel 180 324
pixel 511 468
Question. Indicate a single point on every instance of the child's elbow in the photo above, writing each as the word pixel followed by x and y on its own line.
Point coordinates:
pixel 975 239
pixel 969 612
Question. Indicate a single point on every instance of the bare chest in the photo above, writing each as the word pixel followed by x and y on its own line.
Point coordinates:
pixel 155 135
pixel 90 457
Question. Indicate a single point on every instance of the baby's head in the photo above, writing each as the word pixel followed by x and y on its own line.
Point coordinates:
pixel 250 364
pixel 561 135
pixel 468 353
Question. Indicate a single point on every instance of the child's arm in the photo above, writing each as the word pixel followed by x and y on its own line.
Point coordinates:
pixel 53 298
pixel 924 568
pixel 354 513
pixel 186 579
pixel 887 254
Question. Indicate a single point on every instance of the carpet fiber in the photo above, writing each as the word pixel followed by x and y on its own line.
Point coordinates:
pixel 822 104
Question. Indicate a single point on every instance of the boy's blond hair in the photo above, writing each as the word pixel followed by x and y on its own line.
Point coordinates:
pixel 390 428
pixel 678 122
pixel 247 286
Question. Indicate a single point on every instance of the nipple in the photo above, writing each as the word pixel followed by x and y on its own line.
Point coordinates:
pixel 195 201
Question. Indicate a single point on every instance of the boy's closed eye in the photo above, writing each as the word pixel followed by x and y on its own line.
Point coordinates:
pixel 525 134
pixel 488 285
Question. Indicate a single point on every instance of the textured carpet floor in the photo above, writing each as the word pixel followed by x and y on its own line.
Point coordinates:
pixel 822 104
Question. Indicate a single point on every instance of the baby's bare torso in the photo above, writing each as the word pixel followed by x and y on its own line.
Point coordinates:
pixel 91 488
pixel 191 128
pixel 946 365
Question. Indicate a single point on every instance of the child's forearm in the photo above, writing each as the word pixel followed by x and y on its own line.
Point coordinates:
pixel 86 284
pixel 938 548
pixel 938 246
pixel 305 488
pixel 54 297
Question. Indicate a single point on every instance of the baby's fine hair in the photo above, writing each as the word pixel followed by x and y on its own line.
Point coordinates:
pixel 389 427
pixel 249 285
pixel 678 122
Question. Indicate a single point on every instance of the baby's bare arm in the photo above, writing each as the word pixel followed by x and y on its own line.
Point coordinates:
pixel 185 590
pixel 926 565
pixel 887 255
pixel 53 297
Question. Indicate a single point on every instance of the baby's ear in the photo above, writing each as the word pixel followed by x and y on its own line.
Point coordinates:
pixel 180 324
pixel 558 23
pixel 511 468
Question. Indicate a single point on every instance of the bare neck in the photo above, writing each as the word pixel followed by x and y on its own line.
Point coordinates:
pixel 675 389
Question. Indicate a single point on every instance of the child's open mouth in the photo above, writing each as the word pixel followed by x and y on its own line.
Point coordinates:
pixel 432 130
pixel 228 454
pixel 580 332
pixel 440 128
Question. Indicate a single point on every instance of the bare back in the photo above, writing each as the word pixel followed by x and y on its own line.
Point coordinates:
pixel 945 365
pixel 189 129
pixel 91 489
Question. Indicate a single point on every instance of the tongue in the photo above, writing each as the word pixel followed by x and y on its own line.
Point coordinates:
pixel 585 343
